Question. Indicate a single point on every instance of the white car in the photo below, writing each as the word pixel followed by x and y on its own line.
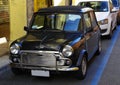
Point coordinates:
pixel 106 14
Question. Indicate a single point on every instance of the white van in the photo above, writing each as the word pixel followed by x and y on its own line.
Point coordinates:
pixel 106 14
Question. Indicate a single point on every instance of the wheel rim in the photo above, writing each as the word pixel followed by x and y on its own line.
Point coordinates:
pixel 84 66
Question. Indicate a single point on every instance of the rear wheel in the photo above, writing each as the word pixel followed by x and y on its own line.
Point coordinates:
pixel 99 47
pixel 118 21
pixel 81 73
pixel 110 34
pixel 118 18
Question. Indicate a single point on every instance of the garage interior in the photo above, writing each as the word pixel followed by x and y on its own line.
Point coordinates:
pixel 4 19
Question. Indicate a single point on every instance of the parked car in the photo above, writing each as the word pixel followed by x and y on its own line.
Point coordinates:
pixel 58 39
pixel 106 14
pixel 116 4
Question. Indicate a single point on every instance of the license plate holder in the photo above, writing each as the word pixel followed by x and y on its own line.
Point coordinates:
pixel 40 73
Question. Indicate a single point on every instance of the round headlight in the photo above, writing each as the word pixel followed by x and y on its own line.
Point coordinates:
pixel 67 51
pixel 15 48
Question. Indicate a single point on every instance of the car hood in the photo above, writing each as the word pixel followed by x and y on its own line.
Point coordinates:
pixel 49 40
pixel 101 15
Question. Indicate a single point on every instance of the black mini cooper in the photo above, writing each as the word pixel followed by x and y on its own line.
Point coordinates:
pixel 58 39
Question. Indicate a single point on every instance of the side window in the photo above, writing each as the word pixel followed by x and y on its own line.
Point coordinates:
pixel 81 27
pixel 87 22
pixel 93 20
pixel 72 22
pixel 38 22
pixel 60 20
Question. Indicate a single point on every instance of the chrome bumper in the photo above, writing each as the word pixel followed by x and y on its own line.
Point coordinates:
pixel 45 68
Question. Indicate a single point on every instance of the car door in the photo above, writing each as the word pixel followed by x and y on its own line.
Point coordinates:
pixel 91 34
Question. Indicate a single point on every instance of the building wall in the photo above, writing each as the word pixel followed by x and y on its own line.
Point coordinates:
pixel 59 2
pixel 30 10
pixel 39 4
pixel 74 2
pixel 21 12
pixel 18 18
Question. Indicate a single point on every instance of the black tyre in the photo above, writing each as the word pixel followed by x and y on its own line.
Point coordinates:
pixel 110 34
pixel 16 71
pixel 118 18
pixel 118 21
pixel 99 47
pixel 81 73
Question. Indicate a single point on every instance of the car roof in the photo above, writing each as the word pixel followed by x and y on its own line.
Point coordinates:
pixel 65 9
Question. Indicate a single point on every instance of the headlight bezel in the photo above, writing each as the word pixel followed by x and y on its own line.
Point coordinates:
pixel 102 22
pixel 67 51
pixel 14 48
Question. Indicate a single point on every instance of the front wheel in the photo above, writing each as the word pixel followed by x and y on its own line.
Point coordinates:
pixel 19 71
pixel 81 73
pixel 16 71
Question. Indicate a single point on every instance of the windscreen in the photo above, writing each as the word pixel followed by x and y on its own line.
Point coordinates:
pixel 98 6
pixel 63 22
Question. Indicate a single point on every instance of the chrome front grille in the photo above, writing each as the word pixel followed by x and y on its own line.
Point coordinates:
pixel 40 58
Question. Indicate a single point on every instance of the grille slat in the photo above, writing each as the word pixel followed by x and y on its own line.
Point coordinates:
pixel 38 59
pixel 41 58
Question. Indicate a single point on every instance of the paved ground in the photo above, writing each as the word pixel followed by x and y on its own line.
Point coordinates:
pixel 111 73
pixel 4 60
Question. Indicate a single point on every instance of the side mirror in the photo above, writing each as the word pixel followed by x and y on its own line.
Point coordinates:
pixel 26 28
pixel 115 9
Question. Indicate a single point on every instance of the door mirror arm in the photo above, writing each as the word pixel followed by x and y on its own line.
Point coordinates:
pixel 26 28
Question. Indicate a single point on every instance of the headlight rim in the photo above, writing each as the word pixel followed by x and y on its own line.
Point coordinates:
pixel 15 48
pixel 70 49
pixel 102 22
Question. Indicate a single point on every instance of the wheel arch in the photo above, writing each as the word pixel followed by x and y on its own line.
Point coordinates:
pixel 81 54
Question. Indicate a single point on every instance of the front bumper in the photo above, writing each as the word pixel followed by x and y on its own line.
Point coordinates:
pixel 44 68
pixel 105 29
pixel 43 60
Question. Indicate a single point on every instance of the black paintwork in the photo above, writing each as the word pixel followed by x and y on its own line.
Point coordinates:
pixel 50 39
pixel 55 40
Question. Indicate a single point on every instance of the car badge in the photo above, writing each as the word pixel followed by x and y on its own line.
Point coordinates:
pixel 42 46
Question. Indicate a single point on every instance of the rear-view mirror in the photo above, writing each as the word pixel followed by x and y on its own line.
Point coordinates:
pixel 114 9
pixel 26 28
